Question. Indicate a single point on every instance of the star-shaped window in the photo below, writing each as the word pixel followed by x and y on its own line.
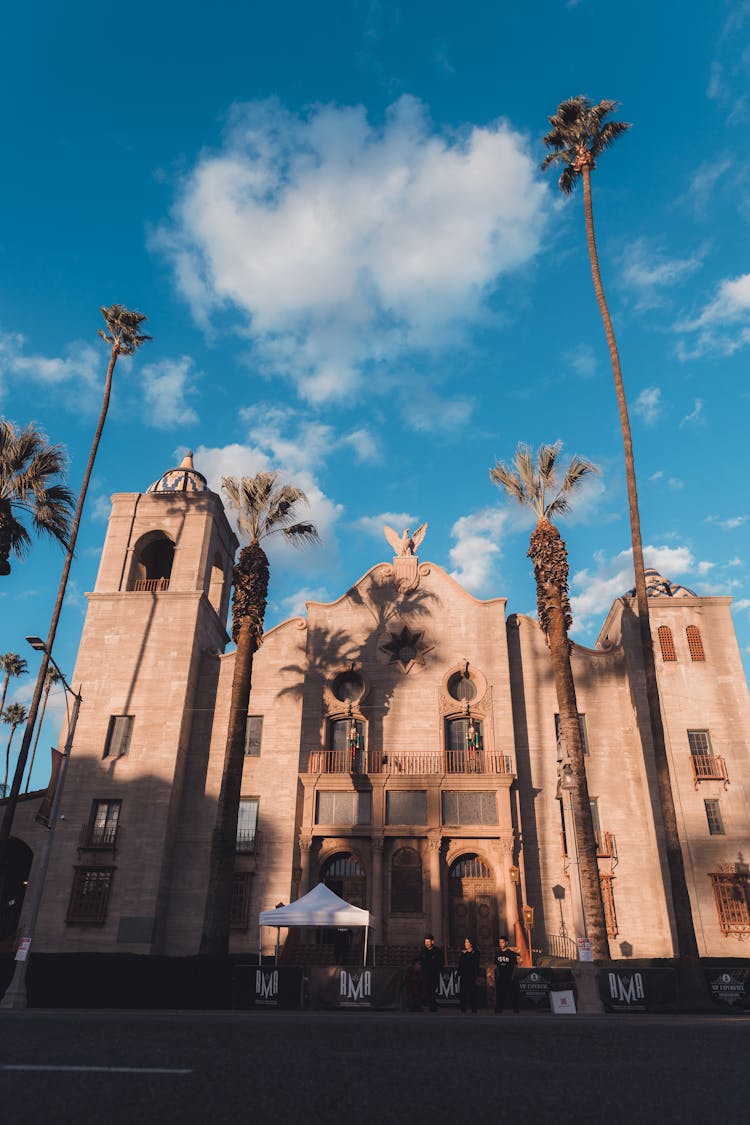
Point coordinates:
pixel 405 647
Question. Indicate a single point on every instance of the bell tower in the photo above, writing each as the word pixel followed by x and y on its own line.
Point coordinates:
pixel 154 628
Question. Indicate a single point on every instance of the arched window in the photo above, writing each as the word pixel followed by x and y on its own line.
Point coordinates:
pixel 470 867
pixel 406 882
pixel 695 644
pixel 463 734
pixel 462 687
pixel 344 874
pixel 666 643
pixel 152 567
pixel 347 740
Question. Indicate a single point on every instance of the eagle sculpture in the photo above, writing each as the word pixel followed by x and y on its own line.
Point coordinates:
pixel 405 544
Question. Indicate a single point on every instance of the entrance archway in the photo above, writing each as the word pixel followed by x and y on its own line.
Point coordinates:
pixel 344 874
pixel 472 904
pixel 13 880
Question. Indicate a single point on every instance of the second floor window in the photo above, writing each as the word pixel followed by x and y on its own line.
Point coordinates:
pixel 695 644
pixel 666 643
pixel 118 736
pixel 469 807
pixel 699 742
pixel 247 824
pixel 253 735
pixel 714 817
pixel 102 827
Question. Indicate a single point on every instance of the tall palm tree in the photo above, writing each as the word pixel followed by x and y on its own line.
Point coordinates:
pixel 14 714
pixel 53 677
pixel 29 466
pixel 579 134
pixel 537 485
pixel 13 665
pixel 264 507
pixel 123 334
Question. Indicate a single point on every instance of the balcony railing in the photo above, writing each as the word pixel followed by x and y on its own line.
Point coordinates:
pixel 151 584
pixel 708 767
pixel 606 845
pixel 247 841
pixel 98 837
pixel 410 762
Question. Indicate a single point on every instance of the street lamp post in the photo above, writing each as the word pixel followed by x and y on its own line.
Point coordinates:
pixel 15 996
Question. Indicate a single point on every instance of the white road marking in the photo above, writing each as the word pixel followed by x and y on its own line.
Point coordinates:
pixel 103 1069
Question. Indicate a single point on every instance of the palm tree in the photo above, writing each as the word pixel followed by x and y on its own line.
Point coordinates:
pixel 264 507
pixel 14 714
pixel 53 677
pixel 578 135
pixel 28 468
pixel 123 333
pixel 537 485
pixel 13 665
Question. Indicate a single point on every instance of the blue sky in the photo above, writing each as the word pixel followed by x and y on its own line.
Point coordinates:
pixel 355 272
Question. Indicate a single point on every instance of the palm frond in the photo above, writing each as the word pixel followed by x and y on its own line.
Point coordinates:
pixel 300 534
pixel 123 328
pixel 608 135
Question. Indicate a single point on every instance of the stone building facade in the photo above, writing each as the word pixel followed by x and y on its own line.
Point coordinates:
pixel 401 746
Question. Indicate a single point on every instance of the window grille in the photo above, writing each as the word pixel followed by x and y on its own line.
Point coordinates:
pixel 732 907
pixel 406 806
pixel 253 735
pixel 666 643
pixel 714 817
pixel 90 895
pixel 406 882
pixel 333 807
pixel 103 824
pixel 119 731
pixel 469 807
pixel 470 867
pixel 695 644
pixel 239 911
pixel 343 867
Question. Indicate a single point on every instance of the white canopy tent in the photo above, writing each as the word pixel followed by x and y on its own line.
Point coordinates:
pixel 319 907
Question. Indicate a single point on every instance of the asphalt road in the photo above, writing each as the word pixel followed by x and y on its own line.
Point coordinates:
pixel 379 1068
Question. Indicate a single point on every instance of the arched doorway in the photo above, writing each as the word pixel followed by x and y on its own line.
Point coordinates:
pixel 13 880
pixel 472 904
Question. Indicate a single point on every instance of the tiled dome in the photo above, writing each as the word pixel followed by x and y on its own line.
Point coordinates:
pixel 185 478
pixel 657 586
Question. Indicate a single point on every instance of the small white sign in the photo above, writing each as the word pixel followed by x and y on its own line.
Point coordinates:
pixel 563 1003
pixel 584 950
pixel 24 946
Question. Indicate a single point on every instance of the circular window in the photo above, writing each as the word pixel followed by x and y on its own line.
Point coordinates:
pixel 348 687
pixel 462 687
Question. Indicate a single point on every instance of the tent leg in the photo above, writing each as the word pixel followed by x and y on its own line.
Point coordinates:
pixel 260 944
pixel 367 931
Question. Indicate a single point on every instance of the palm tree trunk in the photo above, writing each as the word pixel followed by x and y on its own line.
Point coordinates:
pixel 546 543
pixel 215 936
pixel 10 807
pixel 6 681
pixel 47 688
pixel 683 917
pixel 7 758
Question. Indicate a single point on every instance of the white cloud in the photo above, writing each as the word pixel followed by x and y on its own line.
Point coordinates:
pixel 296 604
pixel 237 460
pixel 344 246
pixel 724 324
pixel 167 386
pixel 99 511
pixel 696 414
pixel 582 360
pixel 703 183
pixel 82 364
pixel 592 592
pixel 730 524
pixel 373 525
pixel 736 561
pixel 426 411
pixel 648 405
pixel 648 272
pixel 676 484
pixel 300 441
pixel 742 604
pixel 657 475
pixel 477 548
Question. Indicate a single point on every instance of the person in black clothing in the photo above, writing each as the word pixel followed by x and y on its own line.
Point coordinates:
pixel 468 969
pixel 506 982
pixel 431 960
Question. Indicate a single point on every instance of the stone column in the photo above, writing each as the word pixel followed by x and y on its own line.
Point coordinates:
pixel 436 899
pixel 304 851
pixel 512 914
pixel 378 934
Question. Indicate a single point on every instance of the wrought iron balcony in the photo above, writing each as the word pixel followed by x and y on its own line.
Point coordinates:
pixel 410 762
pixel 708 767
pixel 150 585
pixel 98 837
pixel 606 845
pixel 247 842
